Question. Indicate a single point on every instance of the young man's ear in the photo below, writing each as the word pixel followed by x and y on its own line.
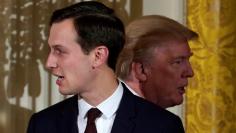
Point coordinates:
pixel 100 56
pixel 139 71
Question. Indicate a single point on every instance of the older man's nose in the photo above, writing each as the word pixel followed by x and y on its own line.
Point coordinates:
pixel 188 72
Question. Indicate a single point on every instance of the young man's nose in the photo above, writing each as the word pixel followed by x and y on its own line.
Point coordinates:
pixel 51 62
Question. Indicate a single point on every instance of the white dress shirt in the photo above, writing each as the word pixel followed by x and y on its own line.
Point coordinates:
pixel 130 89
pixel 108 109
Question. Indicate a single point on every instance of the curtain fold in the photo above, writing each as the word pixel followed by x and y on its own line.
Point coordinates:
pixel 211 96
pixel 24 83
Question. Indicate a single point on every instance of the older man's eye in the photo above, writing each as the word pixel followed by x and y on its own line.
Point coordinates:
pixel 178 61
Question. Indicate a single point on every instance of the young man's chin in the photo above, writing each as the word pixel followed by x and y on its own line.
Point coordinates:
pixel 64 91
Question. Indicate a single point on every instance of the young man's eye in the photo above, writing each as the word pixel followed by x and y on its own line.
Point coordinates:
pixel 57 51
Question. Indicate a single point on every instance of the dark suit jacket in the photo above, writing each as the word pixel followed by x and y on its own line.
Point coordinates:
pixel 134 115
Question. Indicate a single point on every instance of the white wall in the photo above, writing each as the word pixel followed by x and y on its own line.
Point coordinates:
pixel 170 8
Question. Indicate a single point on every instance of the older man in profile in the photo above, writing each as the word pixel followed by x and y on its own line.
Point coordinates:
pixel 154 63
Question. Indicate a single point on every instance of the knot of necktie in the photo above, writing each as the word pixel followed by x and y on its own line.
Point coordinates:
pixel 92 114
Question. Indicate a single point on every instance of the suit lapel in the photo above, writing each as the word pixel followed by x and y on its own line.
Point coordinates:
pixel 68 118
pixel 124 121
pixel 125 117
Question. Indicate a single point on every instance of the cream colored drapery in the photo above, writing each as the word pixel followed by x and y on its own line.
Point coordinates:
pixel 23 46
pixel 25 85
pixel 211 97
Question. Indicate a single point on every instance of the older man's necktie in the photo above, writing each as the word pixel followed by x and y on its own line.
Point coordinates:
pixel 92 114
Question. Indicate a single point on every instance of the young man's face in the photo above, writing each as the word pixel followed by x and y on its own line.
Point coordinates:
pixel 168 73
pixel 66 59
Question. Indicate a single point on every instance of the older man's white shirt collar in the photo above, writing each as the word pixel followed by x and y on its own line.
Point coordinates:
pixel 130 89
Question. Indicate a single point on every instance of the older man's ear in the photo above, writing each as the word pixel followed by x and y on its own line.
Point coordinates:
pixel 139 71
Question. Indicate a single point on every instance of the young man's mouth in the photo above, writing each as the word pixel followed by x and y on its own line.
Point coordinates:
pixel 59 80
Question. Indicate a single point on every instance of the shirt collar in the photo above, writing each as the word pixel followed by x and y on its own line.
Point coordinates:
pixel 83 107
pixel 108 107
pixel 111 104
pixel 129 88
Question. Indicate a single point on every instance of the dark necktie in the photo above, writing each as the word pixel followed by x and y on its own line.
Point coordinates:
pixel 92 114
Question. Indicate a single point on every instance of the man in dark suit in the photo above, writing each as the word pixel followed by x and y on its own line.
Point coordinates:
pixel 85 40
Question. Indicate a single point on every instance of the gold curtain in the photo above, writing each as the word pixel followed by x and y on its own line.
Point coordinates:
pixel 211 96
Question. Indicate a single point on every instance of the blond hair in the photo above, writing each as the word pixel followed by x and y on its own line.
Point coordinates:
pixel 146 33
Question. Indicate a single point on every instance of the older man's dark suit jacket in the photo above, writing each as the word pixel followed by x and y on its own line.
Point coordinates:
pixel 134 115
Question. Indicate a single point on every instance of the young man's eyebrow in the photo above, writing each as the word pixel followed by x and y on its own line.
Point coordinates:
pixel 57 46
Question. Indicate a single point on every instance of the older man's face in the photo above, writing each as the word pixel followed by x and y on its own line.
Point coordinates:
pixel 168 73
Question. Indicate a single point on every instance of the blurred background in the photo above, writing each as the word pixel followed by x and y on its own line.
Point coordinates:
pixel 210 101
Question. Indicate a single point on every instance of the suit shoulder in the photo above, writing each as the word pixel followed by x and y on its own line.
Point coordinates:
pixel 157 117
pixel 155 111
pixel 49 119
pixel 68 103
